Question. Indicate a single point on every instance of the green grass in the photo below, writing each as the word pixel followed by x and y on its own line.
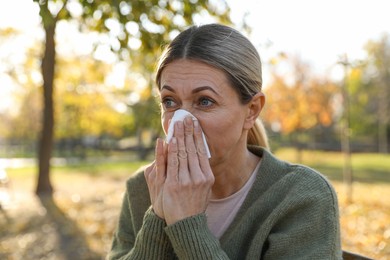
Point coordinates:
pixel 366 167
pixel 108 169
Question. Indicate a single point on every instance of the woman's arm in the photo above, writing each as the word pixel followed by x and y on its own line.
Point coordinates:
pixel 308 222
pixel 192 239
pixel 149 242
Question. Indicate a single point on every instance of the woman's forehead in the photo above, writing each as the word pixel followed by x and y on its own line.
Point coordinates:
pixel 192 72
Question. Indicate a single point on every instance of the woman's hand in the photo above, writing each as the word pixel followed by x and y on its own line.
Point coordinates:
pixel 155 175
pixel 188 178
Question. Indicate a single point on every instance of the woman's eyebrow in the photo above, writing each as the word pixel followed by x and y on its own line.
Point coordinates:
pixel 199 89
pixel 194 91
pixel 168 88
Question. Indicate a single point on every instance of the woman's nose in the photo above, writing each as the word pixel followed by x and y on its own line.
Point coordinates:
pixel 188 108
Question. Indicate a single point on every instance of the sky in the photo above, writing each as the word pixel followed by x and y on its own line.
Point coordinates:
pixel 319 31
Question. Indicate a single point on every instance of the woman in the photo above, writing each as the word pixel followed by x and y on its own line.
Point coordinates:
pixel 242 203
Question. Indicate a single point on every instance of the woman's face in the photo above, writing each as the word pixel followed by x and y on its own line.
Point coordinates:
pixel 205 92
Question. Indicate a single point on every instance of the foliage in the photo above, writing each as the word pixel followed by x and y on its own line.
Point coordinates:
pixel 83 107
pixel 24 124
pixel 148 23
pixel 299 105
pixel 367 82
pixel 302 108
pixel 361 105
pixel 137 30
pixel 379 65
pixel 21 117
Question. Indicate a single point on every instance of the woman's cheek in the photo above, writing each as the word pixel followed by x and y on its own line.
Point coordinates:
pixel 164 123
pixel 165 118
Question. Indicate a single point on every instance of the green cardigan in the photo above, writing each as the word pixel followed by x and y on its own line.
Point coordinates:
pixel 291 212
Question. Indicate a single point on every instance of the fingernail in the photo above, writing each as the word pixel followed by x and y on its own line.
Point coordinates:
pixel 196 123
pixel 188 120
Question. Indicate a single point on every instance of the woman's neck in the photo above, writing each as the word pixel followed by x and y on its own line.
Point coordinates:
pixel 232 174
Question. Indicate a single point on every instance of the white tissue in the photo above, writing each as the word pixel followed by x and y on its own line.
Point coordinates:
pixel 179 116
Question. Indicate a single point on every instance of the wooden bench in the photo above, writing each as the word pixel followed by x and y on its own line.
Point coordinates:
pixel 352 256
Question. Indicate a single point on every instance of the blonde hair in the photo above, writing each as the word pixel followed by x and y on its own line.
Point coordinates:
pixel 227 49
pixel 257 135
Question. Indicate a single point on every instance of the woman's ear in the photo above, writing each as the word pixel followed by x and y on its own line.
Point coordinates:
pixel 254 108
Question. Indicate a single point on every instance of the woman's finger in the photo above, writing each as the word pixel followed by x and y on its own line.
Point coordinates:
pixel 182 155
pixel 193 161
pixel 160 161
pixel 172 161
pixel 148 171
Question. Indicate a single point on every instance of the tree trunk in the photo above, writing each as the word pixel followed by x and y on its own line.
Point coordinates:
pixel 383 121
pixel 345 136
pixel 383 103
pixel 44 186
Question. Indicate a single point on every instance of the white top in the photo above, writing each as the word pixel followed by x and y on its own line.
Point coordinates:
pixel 221 212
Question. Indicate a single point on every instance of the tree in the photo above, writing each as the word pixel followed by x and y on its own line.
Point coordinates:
pixel 83 107
pixel 137 30
pixel 297 101
pixel 379 62
pixel 362 105
pixel 19 67
pixel 49 22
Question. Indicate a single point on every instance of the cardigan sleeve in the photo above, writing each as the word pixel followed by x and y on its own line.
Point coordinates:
pixel 150 242
pixel 192 239
pixel 141 234
pixel 307 225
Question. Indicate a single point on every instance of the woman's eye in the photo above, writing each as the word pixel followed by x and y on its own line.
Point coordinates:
pixel 206 102
pixel 168 103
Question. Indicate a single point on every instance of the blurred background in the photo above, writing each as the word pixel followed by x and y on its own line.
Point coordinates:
pixel 78 114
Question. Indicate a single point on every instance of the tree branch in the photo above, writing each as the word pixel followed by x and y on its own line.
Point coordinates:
pixel 63 9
